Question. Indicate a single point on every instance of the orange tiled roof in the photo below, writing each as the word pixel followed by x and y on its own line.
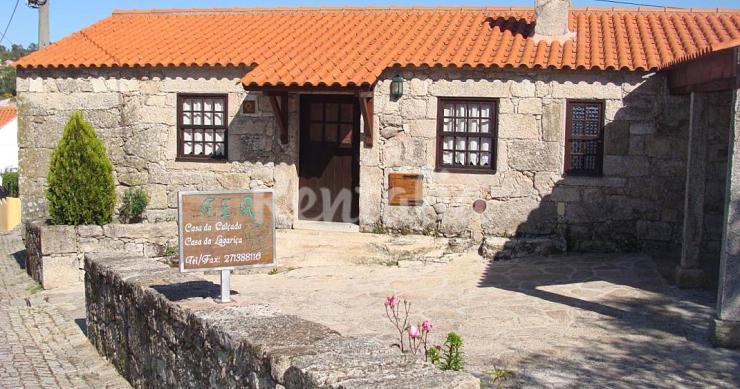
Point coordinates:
pixel 7 114
pixel 352 46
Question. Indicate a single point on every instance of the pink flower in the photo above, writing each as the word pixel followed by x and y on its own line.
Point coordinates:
pixel 426 325
pixel 414 332
pixel 392 301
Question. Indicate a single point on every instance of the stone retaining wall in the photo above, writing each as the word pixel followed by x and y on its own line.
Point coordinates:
pixel 55 253
pixel 162 328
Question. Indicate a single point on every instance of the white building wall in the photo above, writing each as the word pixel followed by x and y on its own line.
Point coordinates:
pixel 9 145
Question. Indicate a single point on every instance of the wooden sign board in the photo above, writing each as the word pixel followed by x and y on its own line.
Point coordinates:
pixel 225 230
pixel 249 106
pixel 405 189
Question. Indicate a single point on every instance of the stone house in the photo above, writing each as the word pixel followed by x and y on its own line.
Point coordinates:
pixel 611 128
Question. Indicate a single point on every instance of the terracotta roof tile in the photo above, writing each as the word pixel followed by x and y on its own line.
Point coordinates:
pixel 352 46
pixel 7 114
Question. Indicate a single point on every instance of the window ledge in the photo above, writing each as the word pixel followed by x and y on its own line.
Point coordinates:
pixel 583 174
pixel 201 160
pixel 460 170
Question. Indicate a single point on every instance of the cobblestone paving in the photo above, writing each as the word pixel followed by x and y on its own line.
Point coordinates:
pixel 40 347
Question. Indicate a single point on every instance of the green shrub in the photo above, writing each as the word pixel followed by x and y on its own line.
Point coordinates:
pixel 10 182
pixel 499 377
pixel 134 203
pixel 451 358
pixel 81 189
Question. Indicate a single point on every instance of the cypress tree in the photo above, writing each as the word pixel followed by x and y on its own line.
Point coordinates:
pixel 81 188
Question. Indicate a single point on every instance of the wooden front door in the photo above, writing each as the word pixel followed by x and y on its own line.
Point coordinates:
pixel 329 158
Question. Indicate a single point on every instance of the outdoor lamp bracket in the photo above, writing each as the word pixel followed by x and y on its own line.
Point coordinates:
pixel 397 87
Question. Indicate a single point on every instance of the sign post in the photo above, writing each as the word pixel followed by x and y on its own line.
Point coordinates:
pixel 225 286
pixel 226 230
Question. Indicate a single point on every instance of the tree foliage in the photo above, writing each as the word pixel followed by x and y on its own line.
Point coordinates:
pixel 10 183
pixel 16 51
pixel 81 188
pixel 7 73
pixel 7 82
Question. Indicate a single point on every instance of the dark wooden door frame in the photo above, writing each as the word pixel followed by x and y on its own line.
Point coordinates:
pixel 304 134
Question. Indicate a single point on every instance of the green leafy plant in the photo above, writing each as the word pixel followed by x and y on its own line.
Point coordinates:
pixel 499 376
pixel 169 251
pixel 10 182
pixel 451 358
pixel 81 188
pixel 430 231
pixel 378 229
pixel 134 203
pixel 434 355
pixel 273 271
pixel 34 288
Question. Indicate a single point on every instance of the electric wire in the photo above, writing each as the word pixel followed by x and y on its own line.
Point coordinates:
pixel 10 20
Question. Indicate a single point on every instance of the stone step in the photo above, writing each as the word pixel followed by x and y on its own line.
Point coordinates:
pixel 311 225
pixel 309 248
pixel 495 248
pixel 418 249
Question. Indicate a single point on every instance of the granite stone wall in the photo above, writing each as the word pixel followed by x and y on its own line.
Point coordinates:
pixel 162 329
pixel 134 112
pixel 637 204
pixel 55 253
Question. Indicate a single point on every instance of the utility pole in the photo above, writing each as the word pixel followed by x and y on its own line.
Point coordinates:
pixel 44 24
pixel 43 7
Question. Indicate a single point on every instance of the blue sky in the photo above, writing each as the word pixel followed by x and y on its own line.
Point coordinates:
pixel 68 16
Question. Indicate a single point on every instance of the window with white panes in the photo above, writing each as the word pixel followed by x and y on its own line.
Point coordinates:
pixel 466 134
pixel 202 126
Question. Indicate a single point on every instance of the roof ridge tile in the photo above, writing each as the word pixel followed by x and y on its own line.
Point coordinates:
pixel 353 45
pixel 247 10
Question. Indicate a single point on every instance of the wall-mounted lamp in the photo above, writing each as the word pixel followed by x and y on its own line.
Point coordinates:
pixel 397 87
